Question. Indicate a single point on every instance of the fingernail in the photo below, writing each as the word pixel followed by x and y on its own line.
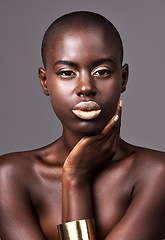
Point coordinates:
pixel 121 103
pixel 116 118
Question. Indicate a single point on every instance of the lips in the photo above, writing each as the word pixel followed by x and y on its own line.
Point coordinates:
pixel 87 110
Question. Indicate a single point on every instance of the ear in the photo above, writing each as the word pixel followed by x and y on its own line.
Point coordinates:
pixel 125 73
pixel 43 81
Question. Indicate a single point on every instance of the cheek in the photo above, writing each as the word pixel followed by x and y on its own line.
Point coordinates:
pixel 58 103
pixel 109 98
pixel 110 94
pixel 59 94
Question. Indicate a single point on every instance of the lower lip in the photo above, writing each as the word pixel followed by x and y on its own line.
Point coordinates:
pixel 87 115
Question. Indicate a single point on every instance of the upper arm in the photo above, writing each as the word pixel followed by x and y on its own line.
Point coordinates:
pixel 145 216
pixel 17 218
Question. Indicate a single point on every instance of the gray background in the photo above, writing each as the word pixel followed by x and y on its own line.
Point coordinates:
pixel 26 118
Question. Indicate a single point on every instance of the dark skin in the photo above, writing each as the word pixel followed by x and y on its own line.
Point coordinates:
pixel 89 172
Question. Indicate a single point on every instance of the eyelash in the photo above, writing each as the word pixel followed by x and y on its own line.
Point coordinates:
pixel 103 72
pixel 100 72
pixel 64 73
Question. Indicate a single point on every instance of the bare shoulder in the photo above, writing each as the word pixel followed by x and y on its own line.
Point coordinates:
pixel 151 154
pixel 13 158
pixel 28 165
pixel 149 161
pixel 143 167
pixel 16 166
pixel 149 172
pixel 141 163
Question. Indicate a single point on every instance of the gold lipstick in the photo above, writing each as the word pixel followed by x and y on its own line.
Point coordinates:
pixel 87 110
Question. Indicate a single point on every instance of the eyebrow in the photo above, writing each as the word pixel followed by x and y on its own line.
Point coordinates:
pixel 103 60
pixel 66 62
pixel 73 64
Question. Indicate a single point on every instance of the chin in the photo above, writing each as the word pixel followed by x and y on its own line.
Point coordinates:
pixel 89 128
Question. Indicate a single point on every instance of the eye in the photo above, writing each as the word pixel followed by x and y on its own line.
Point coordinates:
pixel 66 73
pixel 102 72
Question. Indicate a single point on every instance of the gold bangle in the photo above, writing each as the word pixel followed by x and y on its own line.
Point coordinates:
pixel 77 230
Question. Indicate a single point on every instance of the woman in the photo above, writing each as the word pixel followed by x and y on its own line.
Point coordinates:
pixel 103 187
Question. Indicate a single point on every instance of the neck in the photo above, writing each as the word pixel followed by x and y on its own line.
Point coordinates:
pixel 70 139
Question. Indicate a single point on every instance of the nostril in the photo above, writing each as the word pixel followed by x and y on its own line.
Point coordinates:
pixel 80 94
pixel 90 94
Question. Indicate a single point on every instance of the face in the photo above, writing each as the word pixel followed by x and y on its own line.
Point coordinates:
pixel 84 79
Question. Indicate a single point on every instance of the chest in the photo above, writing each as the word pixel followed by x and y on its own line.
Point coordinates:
pixel 110 199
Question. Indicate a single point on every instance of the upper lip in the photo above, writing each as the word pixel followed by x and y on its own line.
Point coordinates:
pixel 87 106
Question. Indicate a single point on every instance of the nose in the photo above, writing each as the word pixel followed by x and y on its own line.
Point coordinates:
pixel 85 85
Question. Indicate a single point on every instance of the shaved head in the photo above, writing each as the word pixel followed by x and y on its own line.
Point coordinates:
pixel 82 21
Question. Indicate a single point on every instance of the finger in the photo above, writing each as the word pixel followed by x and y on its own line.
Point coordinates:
pixel 107 143
pixel 113 123
pixel 117 138
pixel 119 107
pixel 107 131
pixel 111 139
pixel 110 127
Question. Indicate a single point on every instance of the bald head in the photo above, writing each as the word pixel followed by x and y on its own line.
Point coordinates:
pixel 84 21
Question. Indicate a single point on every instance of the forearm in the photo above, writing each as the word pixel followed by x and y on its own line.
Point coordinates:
pixel 76 199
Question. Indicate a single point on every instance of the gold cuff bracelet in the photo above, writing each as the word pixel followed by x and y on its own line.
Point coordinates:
pixel 77 230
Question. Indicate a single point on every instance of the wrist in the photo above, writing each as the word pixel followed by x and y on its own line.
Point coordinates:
pixel 75 176
pixel 74 180
pixel 81 229
pixel 76 198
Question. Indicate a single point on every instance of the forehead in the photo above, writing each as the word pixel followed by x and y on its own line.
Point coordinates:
pixel 83 44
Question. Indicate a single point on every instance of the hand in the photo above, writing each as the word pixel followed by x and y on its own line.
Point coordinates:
pixel 92 152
